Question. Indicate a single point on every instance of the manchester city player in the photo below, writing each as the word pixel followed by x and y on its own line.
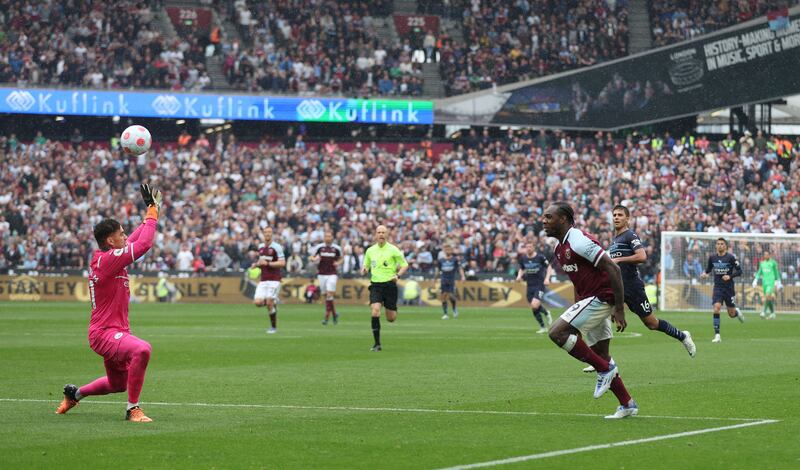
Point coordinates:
pixel 627 251
pixel 448 267
pixel 725 267
pixel 536 270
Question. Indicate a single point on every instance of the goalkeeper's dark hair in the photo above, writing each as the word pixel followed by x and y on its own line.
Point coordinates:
pixel 620 207
pixel 720 239
pixel 103 230
pixel 563 208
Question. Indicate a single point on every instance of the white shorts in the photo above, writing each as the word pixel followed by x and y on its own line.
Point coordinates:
pixel 267 290
pixel 592 317
pixel 327 282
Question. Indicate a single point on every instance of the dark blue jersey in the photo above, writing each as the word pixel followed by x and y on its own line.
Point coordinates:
pixel 627 244
pixel 448 267
pixel 722 265
pixel 534 269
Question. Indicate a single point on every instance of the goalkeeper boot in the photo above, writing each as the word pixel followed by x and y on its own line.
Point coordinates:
pixel 70 401
pixel 717 338
pixel 771 316
pixel 136 415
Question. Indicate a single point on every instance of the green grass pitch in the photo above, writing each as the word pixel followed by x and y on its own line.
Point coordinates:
pixel 482 388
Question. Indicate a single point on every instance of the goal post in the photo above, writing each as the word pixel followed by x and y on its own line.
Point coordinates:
pixel 682 253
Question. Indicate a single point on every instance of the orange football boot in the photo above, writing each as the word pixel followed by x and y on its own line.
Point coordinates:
pixel 136 415
pixel 69 401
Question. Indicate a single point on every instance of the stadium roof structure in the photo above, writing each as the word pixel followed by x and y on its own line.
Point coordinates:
pixel 702 77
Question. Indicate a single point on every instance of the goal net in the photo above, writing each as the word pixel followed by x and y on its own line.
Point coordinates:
pixel 684 256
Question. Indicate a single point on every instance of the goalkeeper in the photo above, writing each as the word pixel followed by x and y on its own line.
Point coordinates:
pixel 124 355
pixel 770 280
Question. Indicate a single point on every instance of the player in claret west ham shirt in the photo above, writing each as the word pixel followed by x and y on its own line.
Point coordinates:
pixel 270 259
pixel 125 356
pixel 584 329
pixel 328 255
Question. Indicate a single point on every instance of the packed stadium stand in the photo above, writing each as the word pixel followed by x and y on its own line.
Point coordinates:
pixel 113 44
pixel 319 47
pixel 678 20
pixel 280 46
pixel 508 41
pixel 484 194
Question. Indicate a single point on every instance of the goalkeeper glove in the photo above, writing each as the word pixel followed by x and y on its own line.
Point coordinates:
pixel 755 282
pixel 778 285
pixel 151 196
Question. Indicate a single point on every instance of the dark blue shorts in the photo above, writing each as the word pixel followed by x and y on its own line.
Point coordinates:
pixel 724 295
pixel 638 302
pixel 448 286
pixel 535 292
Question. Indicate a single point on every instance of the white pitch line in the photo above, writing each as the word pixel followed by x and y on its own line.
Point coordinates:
pixel 388 410
pixel 556 453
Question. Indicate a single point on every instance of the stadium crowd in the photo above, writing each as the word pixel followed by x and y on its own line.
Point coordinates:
pixel 112 44
pixel 485 195
pixel 514 40
pixel 678 20
pixel 322 47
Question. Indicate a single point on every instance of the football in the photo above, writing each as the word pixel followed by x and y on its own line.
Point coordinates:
pixel 135 140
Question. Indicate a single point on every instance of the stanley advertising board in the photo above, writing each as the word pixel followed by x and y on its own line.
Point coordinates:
pixel 738 66
pixel 241 290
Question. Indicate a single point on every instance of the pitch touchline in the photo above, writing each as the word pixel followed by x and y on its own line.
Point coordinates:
pixel 391 410
pixel 556 453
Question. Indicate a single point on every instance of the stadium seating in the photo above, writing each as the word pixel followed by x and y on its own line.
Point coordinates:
pixel 509 40
pixel 112 44
pixel 319 47
pixel 677 20
pixel 484 194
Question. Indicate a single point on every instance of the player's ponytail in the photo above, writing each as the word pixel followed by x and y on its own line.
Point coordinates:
pixel 563 208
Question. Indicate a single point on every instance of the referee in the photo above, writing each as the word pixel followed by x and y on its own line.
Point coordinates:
pixel 385 263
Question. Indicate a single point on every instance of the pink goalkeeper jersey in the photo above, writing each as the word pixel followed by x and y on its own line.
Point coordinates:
pixel 108 280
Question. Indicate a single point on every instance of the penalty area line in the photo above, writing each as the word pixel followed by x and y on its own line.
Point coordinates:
pixel 389 410
pixel 577 450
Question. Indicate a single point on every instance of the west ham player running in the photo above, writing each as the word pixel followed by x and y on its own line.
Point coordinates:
pixel 385 263
pixel 627 251
pixel 584 329
pixel 770 281
pixel 536 270
pixel 725 268
pixel 448 267
pixel 328 255
pixel 125 356
pixel 270 260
